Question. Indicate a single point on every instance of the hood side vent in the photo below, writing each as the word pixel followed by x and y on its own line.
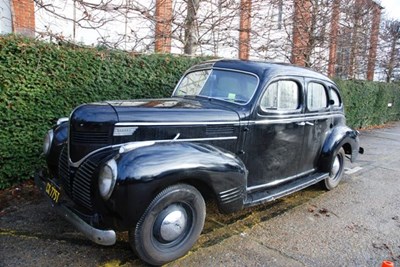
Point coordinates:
pixel 220 130
pixel 90 138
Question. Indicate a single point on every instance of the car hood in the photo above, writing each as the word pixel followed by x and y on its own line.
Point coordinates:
pixel 172 110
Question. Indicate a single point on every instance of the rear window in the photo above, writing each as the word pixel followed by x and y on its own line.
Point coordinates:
pixel 337 102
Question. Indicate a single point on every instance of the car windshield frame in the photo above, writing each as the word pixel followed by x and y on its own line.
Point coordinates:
pixel 210 78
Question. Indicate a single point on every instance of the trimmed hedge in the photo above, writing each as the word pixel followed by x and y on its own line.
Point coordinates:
pixel 40 82
pixel 366 103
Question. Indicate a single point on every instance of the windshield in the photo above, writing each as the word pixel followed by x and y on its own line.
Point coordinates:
pixel 226 85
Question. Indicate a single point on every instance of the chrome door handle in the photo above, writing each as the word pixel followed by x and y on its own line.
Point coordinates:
pixel 302 123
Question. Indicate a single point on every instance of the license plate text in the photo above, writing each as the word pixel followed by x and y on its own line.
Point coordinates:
pixel 52 192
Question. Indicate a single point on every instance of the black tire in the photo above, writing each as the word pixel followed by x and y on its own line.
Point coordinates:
pixel 337 171
pixel 170 225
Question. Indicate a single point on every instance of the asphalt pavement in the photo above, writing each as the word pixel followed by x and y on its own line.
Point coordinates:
pixel 357 224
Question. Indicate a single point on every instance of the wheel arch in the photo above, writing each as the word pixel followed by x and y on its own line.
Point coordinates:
pixel 347 148
pixel 340 137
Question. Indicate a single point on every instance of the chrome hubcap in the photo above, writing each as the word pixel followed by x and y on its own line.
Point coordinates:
pixel 173 223
pixel 335 168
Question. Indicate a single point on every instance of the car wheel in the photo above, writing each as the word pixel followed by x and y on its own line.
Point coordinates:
pixel 170 225
pixel 337 171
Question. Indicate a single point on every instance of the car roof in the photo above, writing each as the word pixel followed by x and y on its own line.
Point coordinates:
pixel 261 68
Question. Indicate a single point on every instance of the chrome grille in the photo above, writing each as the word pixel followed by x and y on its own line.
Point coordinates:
pixel 78 186
pixel 78 183
pixel 81 188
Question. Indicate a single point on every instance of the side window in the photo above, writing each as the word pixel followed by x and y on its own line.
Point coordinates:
pixel 336 98
pixel 317 98
pixel 281 96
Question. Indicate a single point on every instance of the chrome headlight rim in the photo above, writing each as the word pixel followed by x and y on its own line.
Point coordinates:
pixel 47 142
pixel 107 178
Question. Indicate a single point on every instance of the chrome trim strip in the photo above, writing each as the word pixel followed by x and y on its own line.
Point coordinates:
pixel 134 145
pixel 176 123
pixel 176 136
pixel 276 182
pixel 138 144
pixel 195 139
pixel 79 162
pixel 275 119
pixel 290 190
pixel 298 119
pixel 317 114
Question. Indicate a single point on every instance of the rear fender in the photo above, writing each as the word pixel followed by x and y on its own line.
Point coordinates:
pixel 340 136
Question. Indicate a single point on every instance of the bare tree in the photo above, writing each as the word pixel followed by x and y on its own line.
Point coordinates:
pixel 354 39
pixel 112 23
pixel 390 46
pixel 211 27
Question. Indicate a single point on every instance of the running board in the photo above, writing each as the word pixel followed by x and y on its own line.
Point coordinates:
pixel 270 194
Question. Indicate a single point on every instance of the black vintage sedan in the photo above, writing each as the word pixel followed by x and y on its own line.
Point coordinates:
pixel 241 132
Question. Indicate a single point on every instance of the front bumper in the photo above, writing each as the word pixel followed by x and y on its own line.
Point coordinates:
pixel 101 237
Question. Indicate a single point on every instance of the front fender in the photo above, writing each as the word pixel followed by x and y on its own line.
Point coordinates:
pixel 145 171
pixel 340 136
pixel 60 136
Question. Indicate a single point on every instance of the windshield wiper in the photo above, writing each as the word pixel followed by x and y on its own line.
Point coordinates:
pixel 232 100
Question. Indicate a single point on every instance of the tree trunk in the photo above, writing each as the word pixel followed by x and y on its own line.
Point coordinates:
pixel 190 26
pixel 392 58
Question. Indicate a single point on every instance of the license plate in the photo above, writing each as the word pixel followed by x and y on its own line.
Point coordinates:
pixel 53 191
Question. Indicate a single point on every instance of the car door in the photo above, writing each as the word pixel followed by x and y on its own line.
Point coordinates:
pixel 275 138
pixel 317 122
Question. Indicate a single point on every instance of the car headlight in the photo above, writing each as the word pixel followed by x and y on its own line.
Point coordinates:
pixel 48 139
pixel 107 178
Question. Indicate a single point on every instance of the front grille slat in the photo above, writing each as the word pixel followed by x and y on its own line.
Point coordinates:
pixel 86 172
pixel 82 197
pixel 81 190
pixel 82 183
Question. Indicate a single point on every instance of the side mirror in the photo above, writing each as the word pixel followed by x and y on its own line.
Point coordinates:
pixel 331 102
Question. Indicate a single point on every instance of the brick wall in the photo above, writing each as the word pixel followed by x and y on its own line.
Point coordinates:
pixel 23 21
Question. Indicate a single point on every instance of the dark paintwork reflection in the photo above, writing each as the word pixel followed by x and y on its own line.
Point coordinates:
pixel 157 161
pixel 174 110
